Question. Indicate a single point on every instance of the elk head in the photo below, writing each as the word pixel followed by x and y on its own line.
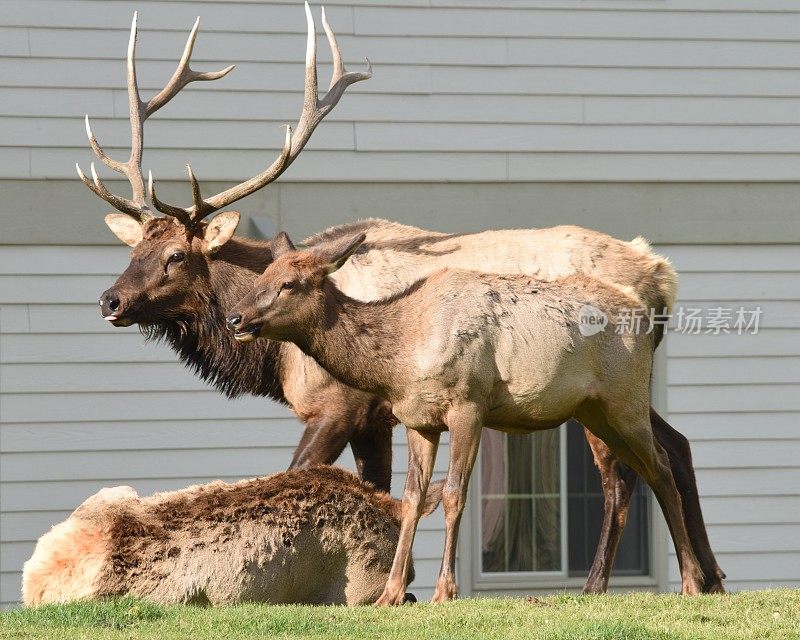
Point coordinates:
pixel 171 256
pixel 289 295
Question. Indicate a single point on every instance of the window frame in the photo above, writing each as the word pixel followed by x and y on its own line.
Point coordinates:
pixel 472 581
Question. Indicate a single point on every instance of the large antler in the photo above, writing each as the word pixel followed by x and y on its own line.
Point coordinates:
pixel 139 112
pixel 314 110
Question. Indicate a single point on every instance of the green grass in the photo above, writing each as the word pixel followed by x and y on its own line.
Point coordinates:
pixel 765 615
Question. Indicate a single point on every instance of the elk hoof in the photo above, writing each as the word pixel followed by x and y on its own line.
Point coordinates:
pixel 714 587
pixel 409 598
pixel 389 600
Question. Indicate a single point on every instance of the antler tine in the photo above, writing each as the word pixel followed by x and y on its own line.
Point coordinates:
pixel 202 208
pixel 139 112
pixel 314 110
pixel 340 76
pixel 99 152
pixel 338 65
pixel 175 212
pixel 184 75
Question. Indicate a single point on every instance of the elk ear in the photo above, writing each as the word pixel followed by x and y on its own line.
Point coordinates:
pixel 339 255
pixel 220 230
pixel 125 228
pixel 281 244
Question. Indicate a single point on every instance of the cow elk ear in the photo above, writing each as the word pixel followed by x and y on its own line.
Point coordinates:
pixel 127 229
pixel 339 255
pixel 220 230
pixel 281 244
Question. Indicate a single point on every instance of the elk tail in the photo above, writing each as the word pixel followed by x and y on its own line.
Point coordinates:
pixel 432 500
pixel 659 288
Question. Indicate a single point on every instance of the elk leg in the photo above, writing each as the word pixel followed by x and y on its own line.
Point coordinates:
pixel 422 447
pixel 680 456
pixel 465 425
pixel 323 441
pixel 372 445
pixel 618 481
pixel 372 450
pixel 630 437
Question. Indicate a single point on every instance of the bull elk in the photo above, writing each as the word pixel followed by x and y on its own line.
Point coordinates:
pixel 308 536
pixel 185 274
pixel 460 350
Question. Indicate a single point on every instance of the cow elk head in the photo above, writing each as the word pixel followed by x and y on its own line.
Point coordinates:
pixel 289 294
pixel 171 256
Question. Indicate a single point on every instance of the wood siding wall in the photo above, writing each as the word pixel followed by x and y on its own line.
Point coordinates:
pixel 737 399
pixel 513 90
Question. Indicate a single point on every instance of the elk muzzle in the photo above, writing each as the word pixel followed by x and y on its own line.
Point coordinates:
pixel 113 309
pixel 241 331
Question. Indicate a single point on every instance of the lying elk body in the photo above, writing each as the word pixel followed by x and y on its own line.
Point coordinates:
pixel 310 536
pixel 460 350
pixel 185 274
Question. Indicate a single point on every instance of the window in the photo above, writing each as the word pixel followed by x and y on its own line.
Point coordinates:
pixel 521 502
pixel 540 510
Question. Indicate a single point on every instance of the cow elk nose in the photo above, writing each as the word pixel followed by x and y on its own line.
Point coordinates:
pixel 234 320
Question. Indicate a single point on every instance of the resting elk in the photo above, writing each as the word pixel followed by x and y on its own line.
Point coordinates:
pixel 186 273
pixel 460 350
pixel 307 536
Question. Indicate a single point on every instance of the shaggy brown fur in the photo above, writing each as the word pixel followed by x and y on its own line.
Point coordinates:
pixel 317 536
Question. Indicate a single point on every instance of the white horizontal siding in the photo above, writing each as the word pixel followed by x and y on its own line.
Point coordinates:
pixel 462 91
pixel 736 399
pixel 84 405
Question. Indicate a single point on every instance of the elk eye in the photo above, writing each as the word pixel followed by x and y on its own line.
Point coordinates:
pixel 287 285
pixel 178 256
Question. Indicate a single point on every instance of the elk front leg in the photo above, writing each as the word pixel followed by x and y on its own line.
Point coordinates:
pixel 422 447
pixel 618 482
pixel 323 441
pixel 465 425
pixel 372 446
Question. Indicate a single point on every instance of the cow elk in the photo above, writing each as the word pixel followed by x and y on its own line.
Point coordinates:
pixel 185 274
pixel 460 350
pixel 309 536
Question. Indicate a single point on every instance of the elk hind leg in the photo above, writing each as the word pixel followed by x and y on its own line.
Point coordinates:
pixel 629 435
pixel 680 457
pixel 618 481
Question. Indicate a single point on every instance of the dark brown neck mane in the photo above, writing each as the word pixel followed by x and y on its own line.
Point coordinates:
pixel 203 342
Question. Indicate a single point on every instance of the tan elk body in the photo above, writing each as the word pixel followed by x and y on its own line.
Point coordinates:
pixel 460 350
pixel 313 536
pixel 395 256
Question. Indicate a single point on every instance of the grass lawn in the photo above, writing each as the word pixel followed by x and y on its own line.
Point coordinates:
pixel 769 615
